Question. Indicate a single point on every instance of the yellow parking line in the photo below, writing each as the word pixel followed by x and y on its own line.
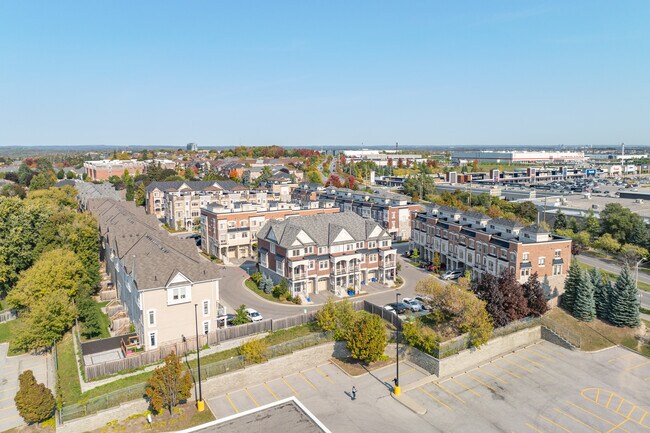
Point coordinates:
pixel 517 365
pixel 642 418
pixel 9 417
pixel 290 387
pixel 590 412
pixel 271 391
pixel 540 354
pixel 307 380
pixel 637 366
pixel 552 352
pixel 481 382
pixel 433 397
pixel 611 394
pixel 232 404
pixel 490 374
pixel 625 355
pixel 618 426
pixel 647 378
pixel 8 407
pixel 450 393
pixel 324 375
pixel 576 420
pixel 251 397
pixel 401 374
pixel 466 387
pixel 537 430
pixel 507 371
pixel 529 360
pixel 619 406
pixel 554 423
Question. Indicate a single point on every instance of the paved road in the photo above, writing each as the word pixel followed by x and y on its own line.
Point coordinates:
pixel 616 269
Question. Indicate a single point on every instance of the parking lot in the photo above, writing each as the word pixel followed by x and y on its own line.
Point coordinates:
pixel 541 388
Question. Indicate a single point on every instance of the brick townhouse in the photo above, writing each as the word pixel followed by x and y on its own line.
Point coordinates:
pixel 104 169
pixel 229 232
pixel 336 252
pixel 472 241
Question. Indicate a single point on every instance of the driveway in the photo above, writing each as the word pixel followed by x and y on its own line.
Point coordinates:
pixel 10 368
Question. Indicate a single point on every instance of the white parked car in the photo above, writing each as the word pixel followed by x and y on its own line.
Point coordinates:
pixel 254 315
pixel 451 275
pixel 413 303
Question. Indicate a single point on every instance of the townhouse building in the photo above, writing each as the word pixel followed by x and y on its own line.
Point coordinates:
pixel 104 169
pixel 230 231
pixel 158 277
pixel 393 212
pixel 472 241
pixel 336 252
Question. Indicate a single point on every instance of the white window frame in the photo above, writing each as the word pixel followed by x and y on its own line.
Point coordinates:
pixel 525 257
pixel 541 261
pixel 206 307
pixel 206 322
pixel 181 300
pixel 149 315
pixel 155 338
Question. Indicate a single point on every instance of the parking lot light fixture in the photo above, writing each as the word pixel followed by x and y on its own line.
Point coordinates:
pixel 396 388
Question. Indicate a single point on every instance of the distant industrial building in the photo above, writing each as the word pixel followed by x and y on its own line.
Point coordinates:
pixel 510 157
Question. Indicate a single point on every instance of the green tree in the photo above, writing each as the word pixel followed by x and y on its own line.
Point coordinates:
pixel 60 174
pixel 169 385
pixel 639 236
pixel 326 316
pixel 571 287
pixel 619 221
pixel 584 307
pixel 43 180
pixel 415 254
pixel 34 401
pixel 601 293
pixel 254 350
pixel 631 254
pixel 47 319
pixel 13 190
pixel 607 243
pixel 241 316
pixel 437 262
pixel 71 175
pixel 591 224
pixel 560 221
pixel 140 195
pixel 366 340
pixel 624 301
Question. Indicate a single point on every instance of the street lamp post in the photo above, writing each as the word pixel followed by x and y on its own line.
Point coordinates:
pixel 200 404
pixel 396 388
pixel 636 284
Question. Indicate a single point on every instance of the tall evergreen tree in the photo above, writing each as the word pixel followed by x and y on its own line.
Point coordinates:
pixel 624 303
pixel 560 221
pixel 534 294
pixel 601 293
pixel 584 307
pixel 639 235
pixel 571 286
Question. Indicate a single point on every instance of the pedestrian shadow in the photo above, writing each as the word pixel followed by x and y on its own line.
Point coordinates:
pixel 349 394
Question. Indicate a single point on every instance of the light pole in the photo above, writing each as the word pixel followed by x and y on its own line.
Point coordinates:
pixel 200 404
pixel 396 388
pixel 636 284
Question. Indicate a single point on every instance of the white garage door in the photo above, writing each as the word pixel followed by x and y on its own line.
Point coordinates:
pixel 323 284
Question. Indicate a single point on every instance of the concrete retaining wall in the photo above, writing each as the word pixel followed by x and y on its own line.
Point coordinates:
pixel 493 348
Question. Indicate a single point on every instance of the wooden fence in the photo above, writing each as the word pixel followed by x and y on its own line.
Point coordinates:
pixel 7 315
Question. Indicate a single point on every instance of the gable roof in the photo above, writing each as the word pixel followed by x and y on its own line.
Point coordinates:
pixel 194 185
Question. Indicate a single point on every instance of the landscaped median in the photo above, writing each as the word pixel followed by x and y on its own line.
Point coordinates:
pixel 122 390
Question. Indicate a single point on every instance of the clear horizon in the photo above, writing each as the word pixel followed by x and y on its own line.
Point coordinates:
pixel 519 73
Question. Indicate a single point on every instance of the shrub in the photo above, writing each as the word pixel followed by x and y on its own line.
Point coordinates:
pixel 256 277
pixel 421 337
pixel 399 281
pixel 281 289
pixel 366 339
pixel 297 300
pixel 34 401
pixel 254 351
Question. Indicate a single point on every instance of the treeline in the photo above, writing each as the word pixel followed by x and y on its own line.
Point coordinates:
pixel 49 264
pixel 34 174
pixel 618 231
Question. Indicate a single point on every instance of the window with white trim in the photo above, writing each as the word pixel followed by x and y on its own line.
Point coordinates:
pixel 525 272
pixel 153 341
pixel 541 261
pixel 178 295
pixel 557 269
pixel 558 253
pixel 323 264
pixel 206 326
pixel 152 317
pixel 311 265
pixel 206 308
pixel 525 257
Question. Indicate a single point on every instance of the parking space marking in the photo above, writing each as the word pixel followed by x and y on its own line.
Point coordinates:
pixel 324 375
pixel 590 413
pixel 466 387
pixel 481 382
pixel 290 387
pixel 251 397
pixel 553 352
pixel 309 382
pixel 576 419
pixel 540 354
pixel 433 397
pixel 232 404
pixel 450 393
pixel 517 365
pixel 505 370
pixel 637 366
pixel 618 426
pixel 529 360
pixel 554 423
pixel 482 370
pixel 275 396
pixel 625 355
pixel 537 430
pixel 586 394
pixel 389 378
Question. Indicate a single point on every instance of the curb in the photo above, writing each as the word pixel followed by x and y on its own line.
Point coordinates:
pixel 410 404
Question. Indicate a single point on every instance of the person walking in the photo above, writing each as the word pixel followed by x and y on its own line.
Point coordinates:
pixel 354 393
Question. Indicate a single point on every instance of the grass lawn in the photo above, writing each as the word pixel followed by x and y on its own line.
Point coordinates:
pixel 68 377
pixel 251 285
pixel 8 332
pixel 612 277
pixel 597 334
pixel 182 417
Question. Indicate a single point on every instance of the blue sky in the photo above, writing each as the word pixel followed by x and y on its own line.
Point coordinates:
pixel 318 73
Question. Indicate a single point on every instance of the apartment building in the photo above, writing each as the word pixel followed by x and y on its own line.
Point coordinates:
pixel 158 277
pixel 339 252
pixel 472 241
pixel 104 169
pixel 179 203
pixel 229 232
pixel 393 212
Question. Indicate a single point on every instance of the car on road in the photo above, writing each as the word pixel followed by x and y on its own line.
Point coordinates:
pixel 254 315
pixel 397 307
pixel 413 303
pixel 451 275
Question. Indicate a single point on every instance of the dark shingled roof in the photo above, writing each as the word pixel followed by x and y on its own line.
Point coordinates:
pixel 137 238
pixel 194 185
pixel 506 222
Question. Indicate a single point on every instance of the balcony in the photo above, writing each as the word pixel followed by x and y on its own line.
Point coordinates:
pixel 387 264
pixel 297 276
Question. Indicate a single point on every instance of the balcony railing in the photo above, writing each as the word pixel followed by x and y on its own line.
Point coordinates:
pixel 387 264
pixel 298 276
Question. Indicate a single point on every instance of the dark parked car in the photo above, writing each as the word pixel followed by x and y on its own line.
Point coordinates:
pixel 398 307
